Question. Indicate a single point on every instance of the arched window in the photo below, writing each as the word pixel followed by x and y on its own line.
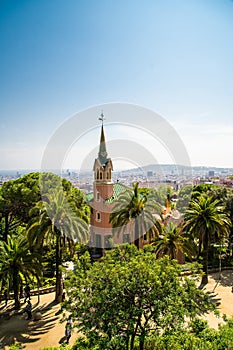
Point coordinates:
pixel 97 174
pixel 97 196
pixel 101 175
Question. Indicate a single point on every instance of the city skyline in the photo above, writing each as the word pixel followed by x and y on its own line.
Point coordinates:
pixel 59 58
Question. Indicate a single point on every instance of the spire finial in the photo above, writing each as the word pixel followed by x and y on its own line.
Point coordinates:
pixel 102 149
pixel 102 118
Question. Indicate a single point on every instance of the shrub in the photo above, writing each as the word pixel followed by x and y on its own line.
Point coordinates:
pixel 15 347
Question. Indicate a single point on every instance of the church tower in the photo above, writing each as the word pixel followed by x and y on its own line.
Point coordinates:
pixel 101 230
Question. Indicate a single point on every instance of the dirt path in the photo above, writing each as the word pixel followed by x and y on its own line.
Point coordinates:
pixel 34 335
pixel 222 294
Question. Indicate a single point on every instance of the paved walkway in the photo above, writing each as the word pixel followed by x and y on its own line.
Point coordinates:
pixel 34 335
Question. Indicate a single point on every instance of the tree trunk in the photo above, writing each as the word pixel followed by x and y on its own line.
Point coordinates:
pixel 199 248
pixel 127 342
pixel 141 342
pixel 135 333
pixel 205 259
pixel 38 290
pixel 132 341
pixel 136 233
pixel 16 289
pixel 59 289
pixel 172 253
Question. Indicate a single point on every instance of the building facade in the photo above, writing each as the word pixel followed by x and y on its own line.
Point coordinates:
pixel 103 189
pixel 103 200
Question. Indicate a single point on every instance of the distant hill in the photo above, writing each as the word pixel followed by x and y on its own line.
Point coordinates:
pixel 159 168
pixel 173 168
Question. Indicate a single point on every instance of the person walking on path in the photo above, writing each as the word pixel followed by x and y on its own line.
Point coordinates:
pixel 69 325
pixel 21 293
pixel 28 310
pixel 27 293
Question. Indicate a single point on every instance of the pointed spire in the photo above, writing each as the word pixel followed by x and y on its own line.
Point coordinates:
pixel 102 149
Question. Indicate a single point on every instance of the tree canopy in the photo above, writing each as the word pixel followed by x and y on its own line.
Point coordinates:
pixel 204 218
pixel 132 293
pixel 17 264
pixel 134 210
pixel 18 197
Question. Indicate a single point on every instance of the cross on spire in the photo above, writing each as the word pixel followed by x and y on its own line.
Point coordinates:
pixel 102 148
pixel 102 118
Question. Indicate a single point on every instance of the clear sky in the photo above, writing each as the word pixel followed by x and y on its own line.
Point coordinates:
pixel 59 57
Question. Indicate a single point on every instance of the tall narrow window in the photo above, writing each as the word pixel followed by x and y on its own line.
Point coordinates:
pixel 97 174
pixel 97 196
pixel 101 175
pixel 98 216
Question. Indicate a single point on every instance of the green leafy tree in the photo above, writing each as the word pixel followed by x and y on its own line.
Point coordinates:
pixel 225 335
pixel 202 189
pixel 134 209
pixel 204 218
pixel 17 264
pixel 173 241
pixel 18 197
pixel 219 193
pixel 57 222
pixel 132 293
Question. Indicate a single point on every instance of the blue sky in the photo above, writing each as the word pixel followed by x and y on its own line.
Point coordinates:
pixel 60 57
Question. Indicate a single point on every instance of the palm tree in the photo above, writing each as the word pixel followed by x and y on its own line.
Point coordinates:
pixel 17 263
pixel 172 241
pixel 57 221
pixel 135 209
pixel 204 219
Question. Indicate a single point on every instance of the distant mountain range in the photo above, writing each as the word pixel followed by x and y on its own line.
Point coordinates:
pixel 173 168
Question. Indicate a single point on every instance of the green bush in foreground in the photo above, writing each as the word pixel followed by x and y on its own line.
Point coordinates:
pixel 63 346
pixel 15 347
pixel 199 337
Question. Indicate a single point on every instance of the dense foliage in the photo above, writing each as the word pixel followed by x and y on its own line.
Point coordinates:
pixel 133 212
pixel 37 210
pixel 132 299
pixel 17 264
pixel 132 293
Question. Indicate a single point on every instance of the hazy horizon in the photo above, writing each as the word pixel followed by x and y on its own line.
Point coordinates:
pixel 114 171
